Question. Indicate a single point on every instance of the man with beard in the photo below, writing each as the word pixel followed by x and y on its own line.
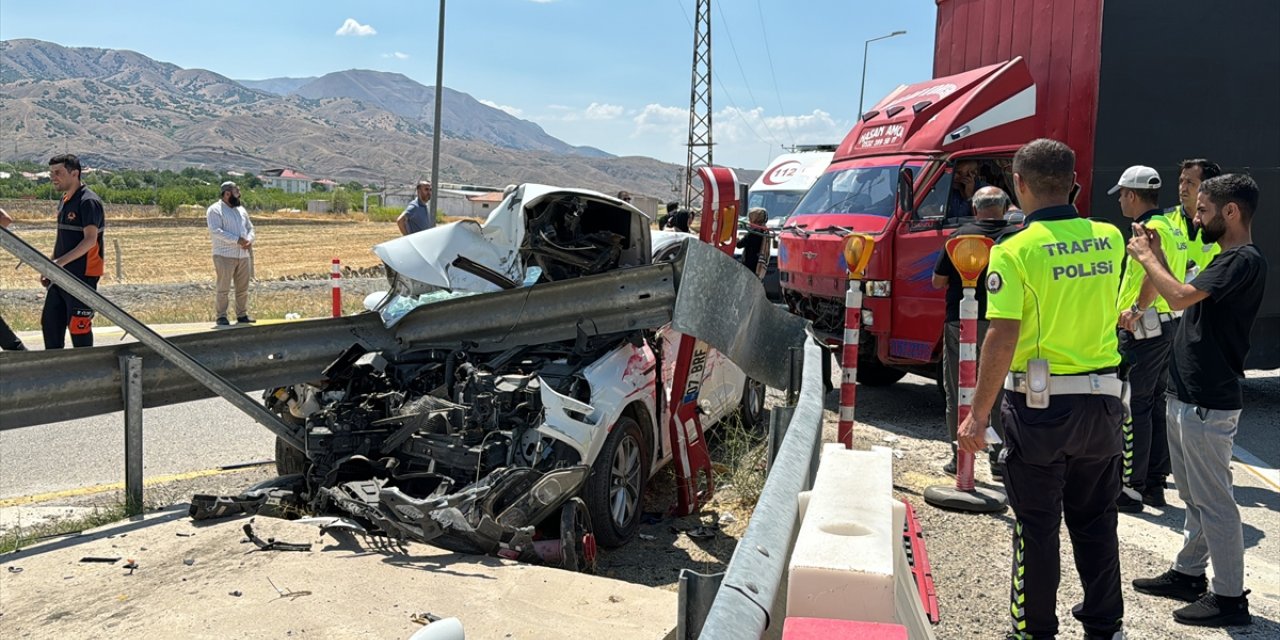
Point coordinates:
pixel 1205 399
pixel 232 235
pixel 1199 251
pixel 78 249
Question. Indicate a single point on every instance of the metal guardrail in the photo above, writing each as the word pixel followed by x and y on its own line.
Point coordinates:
pixel 750 585
pixel 41 387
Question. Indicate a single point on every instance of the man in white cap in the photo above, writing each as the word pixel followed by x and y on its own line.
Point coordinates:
pixel 232 234
pixel 1146 334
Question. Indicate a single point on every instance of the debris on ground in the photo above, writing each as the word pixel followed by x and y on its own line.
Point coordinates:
pixel 235 593
pixel 100 559
pixel 424 618
pixel 131 565
pixel 271 544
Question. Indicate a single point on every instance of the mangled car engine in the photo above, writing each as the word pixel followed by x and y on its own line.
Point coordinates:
pixel 446 446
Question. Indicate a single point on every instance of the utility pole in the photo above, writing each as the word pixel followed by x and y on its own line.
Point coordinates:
pixel 435 131
pixel 699 104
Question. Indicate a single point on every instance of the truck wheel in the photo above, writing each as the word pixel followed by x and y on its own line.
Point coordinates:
pixel 874 373
pixel 288 459
pixel 751 409
pixel 615 491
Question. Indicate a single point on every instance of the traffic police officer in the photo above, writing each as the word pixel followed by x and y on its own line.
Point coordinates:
pixel 1146 334
pixel 1199 252
pixel 1051 296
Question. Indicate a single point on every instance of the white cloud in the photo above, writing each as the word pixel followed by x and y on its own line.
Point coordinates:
pixel 743 138
pixel 515 111
pixel 397 55
pixel 597 111
pixel 352 28
pixel 543 1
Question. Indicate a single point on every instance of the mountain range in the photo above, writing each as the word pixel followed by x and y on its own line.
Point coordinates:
pixel 118 108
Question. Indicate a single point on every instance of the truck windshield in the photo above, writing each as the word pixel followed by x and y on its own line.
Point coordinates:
pixel 779 204
pixel 866 191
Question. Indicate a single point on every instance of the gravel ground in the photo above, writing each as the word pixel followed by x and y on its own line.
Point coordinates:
pixel 970 554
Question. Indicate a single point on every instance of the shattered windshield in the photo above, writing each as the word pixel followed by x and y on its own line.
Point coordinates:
pixel 866 191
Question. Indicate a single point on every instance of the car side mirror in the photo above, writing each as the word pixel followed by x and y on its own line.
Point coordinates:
pixel 906 190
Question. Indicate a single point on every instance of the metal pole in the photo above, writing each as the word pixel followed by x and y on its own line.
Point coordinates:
pixel 849 360
pixel 435 131
pixel 863 87
pixel 216 383
pixel 131 388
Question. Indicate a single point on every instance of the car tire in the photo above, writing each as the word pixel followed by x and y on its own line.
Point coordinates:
pixel 751 408
pixel 874 373
pixel 615 490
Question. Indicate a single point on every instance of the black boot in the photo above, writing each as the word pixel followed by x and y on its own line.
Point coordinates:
pixel 1173 584
pixel 1213 610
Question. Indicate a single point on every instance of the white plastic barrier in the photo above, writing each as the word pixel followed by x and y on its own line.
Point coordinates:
pixel 848 562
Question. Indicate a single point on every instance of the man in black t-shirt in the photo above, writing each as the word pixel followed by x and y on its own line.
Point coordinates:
pixel 78 249
pixel 1204 404
pixel 989 204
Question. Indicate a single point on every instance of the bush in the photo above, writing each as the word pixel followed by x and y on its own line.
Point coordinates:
pixel 170 199
pixel 384 214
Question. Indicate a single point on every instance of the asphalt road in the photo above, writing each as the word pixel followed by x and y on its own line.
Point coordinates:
pixel 83 453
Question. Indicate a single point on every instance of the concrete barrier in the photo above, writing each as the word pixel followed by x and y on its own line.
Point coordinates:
pixel 849 563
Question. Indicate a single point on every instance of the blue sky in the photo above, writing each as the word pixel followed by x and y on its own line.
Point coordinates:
pixel 613 74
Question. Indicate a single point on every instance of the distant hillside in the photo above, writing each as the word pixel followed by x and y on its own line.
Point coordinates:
pixel 123 109
pixel 461 115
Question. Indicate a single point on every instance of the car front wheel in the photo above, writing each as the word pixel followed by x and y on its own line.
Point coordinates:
pixel 615 490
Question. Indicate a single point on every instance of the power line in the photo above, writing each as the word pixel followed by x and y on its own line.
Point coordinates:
pixel 737 110
pixel 781 110
pixel 745 82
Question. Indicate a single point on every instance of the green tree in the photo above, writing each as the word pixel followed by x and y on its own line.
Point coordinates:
pixel 170 199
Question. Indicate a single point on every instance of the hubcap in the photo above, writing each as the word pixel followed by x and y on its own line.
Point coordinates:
pixel 624 481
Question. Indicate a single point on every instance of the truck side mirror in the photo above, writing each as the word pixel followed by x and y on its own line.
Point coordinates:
pixel 906 190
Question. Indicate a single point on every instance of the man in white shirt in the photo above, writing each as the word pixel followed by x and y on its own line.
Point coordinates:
pixel 232 236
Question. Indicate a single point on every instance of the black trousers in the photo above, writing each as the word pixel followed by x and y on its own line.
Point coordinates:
pixel 63 313
pixel 1064 460
pixel 8 339
pixel 1146 444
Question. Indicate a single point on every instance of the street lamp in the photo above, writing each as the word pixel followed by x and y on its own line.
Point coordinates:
pixel 435 130
pixel 866 44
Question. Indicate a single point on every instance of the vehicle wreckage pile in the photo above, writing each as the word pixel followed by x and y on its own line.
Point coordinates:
pixel 507 451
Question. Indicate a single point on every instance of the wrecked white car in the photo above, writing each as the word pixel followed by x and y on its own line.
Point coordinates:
pixel 535 452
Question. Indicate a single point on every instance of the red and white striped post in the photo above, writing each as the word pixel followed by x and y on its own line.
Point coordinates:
pixel 967 379
pixel 335 276
pixel 969 254
pixel 857 253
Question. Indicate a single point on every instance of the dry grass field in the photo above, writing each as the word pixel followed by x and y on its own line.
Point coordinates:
pixel 165 251
pixel 167 268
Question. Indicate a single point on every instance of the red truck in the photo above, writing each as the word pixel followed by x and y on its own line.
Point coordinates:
pixel 1142 90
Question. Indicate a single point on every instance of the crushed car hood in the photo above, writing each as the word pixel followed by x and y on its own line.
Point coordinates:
pixel 566 233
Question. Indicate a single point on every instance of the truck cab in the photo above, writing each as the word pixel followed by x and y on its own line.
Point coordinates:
pixel 893 178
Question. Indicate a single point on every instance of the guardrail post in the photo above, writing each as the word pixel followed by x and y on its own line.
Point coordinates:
pixel 697 592
pixel 131 388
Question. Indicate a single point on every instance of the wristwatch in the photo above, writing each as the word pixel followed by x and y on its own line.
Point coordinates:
pixel 1136 309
